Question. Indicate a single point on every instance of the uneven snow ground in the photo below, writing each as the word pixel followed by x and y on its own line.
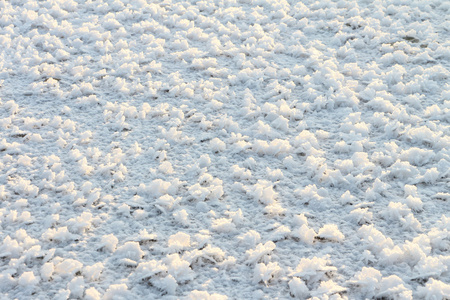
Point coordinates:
pixel 241 149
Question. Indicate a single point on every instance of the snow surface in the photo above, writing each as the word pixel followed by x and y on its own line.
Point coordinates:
pixel 241 149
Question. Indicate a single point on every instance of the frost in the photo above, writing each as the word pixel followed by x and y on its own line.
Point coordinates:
pixel 367 281
pixel 179 268
pixel 130 250
pixel 313 270
pixel 148 269
pixel 361 216
pixel 263 192
pixel 267 273
pixel 47 270
pixel 347 198
pixel 260 253
pixel 76 287
pixel 305 234
pixel 434 289
pixel 328 288
pixel 394 286
pixel 414 203
pixel 300 220
pixel 93 272
pixel 298 288
pixel 374 239
pixel 430 266
pixel 217 145
pixel 61 234
pixel 203 295
pixel 171 149
pixel 223 225
pixel 117 290
pixel 330 232
pixel 275 147
pixel 250 239
pixel 241 173
pixel 92 294
pixel 109 242
pixel 179 241
pixel 181 216
pixel 10 248
pixel 27 279
pixel 68 267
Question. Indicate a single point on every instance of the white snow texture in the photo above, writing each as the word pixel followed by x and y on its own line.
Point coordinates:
pixel 238 149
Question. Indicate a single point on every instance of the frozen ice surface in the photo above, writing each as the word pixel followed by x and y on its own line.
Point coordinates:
pixel 242 149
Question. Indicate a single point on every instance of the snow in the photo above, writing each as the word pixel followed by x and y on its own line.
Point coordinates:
pixel 251 149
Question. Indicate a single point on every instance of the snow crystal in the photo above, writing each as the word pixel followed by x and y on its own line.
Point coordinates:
pixel 367 280
pixel 347 198
pixel 217 145
pixel 76 287
pixel 250 239
pixel 361 216
pixel 430 266
pixel 305 234
pixel 28 279
pixel 434 289
pixel 117 290
pixel 298 288
pixel 267 273
pixel 179 241
pixel 92 294
pixel 260 252
pixel 181 216
pixel 109 242
pixel 330 232
pixel 93 272
pixel 68 267
pixel 130 250
pixel 150 148
pixel 179 268
pixel 223 225
pixel 47 270
pixel 393 285
pixel 203 295
pixel 328 288
pixel 374 239
pixel 313 270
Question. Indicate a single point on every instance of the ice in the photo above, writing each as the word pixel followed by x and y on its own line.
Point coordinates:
pixel 305 234
pixel 47 270
pixel 267 273
pixel 223 225
pixel 260 253
pixel 129 250
pixel 367 280
pixel 330 232
pixel 93 272
pixel 68 267
pixel 76 287
pixel 117 290
pixel 92 294
pixel 298 288
pixel 179 268
pixel 28 279
pixel 312 270
pixel 179 241
pixel 434 289
pixel 207 150
pixel 250 239
pixel 204 295
pixel 217 145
